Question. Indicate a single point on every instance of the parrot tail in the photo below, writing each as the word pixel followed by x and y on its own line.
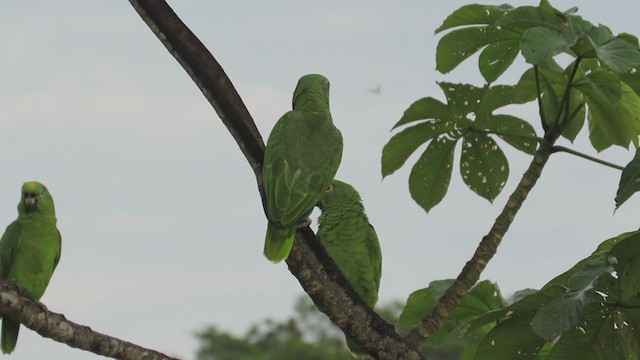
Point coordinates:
pixel 9 335
pixel 356 350
pixel 278 242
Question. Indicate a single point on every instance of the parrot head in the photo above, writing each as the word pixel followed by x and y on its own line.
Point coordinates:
pixel 35 198
pixel 338 195
pixel 311 88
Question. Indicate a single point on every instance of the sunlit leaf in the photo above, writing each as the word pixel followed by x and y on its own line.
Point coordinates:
pixel 483 165
pixel 602 82
pixel 430 176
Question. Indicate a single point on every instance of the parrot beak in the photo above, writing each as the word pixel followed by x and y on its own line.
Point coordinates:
pixel 30 201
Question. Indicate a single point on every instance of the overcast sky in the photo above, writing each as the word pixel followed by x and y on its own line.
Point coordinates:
pixel 160 216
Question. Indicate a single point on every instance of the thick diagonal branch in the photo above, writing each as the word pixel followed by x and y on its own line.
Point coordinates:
pixel 484 252
pixel 308 261
pixel 36 317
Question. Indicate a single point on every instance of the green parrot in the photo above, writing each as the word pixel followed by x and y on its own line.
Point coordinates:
pixel 301 158
pixel 352 243
pixel 29 251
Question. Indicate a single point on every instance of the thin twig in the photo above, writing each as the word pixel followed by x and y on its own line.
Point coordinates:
pixel 558 148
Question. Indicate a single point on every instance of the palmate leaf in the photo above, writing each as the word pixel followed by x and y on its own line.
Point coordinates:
pixel 629 180
pixel 468 114
pixel 613 124
pixel 515 131
pixel 483 297
pixel 483 166
pixel 619 55
pixel 430 176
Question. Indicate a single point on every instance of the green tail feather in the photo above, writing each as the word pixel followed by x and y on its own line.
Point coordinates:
pixel 278 242
pixel 9 336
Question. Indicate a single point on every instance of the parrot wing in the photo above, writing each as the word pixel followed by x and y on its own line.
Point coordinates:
pixel 8 244
pixel 305 150
pixel 375 254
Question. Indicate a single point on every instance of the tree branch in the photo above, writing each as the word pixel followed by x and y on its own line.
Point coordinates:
pixel 308 261
pixel 34 315
pixel 484 252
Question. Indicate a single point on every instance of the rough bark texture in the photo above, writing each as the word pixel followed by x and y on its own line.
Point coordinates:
pixel 484 252
pixel 36 317
pixel 308 261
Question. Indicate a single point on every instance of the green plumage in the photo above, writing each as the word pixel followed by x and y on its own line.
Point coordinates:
pixel 29 251
pixel 352 243
pixel 301 158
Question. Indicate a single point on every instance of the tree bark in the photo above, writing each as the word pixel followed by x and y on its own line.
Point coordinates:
pixel 15 303
pixel 308 261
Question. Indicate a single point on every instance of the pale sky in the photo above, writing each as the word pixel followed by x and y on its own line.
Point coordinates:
pixel 159 212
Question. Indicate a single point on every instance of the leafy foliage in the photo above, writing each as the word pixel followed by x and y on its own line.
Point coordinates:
pixel 600 85
pixel 467 117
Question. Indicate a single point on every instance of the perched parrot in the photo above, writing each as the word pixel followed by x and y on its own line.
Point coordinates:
pixel 352 243
pixel 301 158
pixel 29 251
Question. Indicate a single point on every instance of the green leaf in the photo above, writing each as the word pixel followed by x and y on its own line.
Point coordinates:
pixel 511 339
pixel 526 91
pixel 590 271
pixel 540 43
pixel 396 152
pixel 629 180
pixel 633 80
pixel 603 334
pixel 515 131
pixel 483 165
pixel 420 302
pixel 613 124
pixel 560 314
pixel 602 82
pixel 457 45
pixel 525 17
pixel 586 43
pixel 424 109
pixel 576 123
pixel 627 254
pixel 496 58
pixel 430 176
pixel 474 14
pixel 418 305
pixel 619 55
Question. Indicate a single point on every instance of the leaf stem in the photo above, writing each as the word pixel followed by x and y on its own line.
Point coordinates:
pixel 558 148
pixel 536 72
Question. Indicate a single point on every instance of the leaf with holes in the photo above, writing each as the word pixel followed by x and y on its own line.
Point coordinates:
pixel 483 165
pixel 561 314
pixel 496 58
pixel 396 152
pixel 430 176
pixel 515 131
